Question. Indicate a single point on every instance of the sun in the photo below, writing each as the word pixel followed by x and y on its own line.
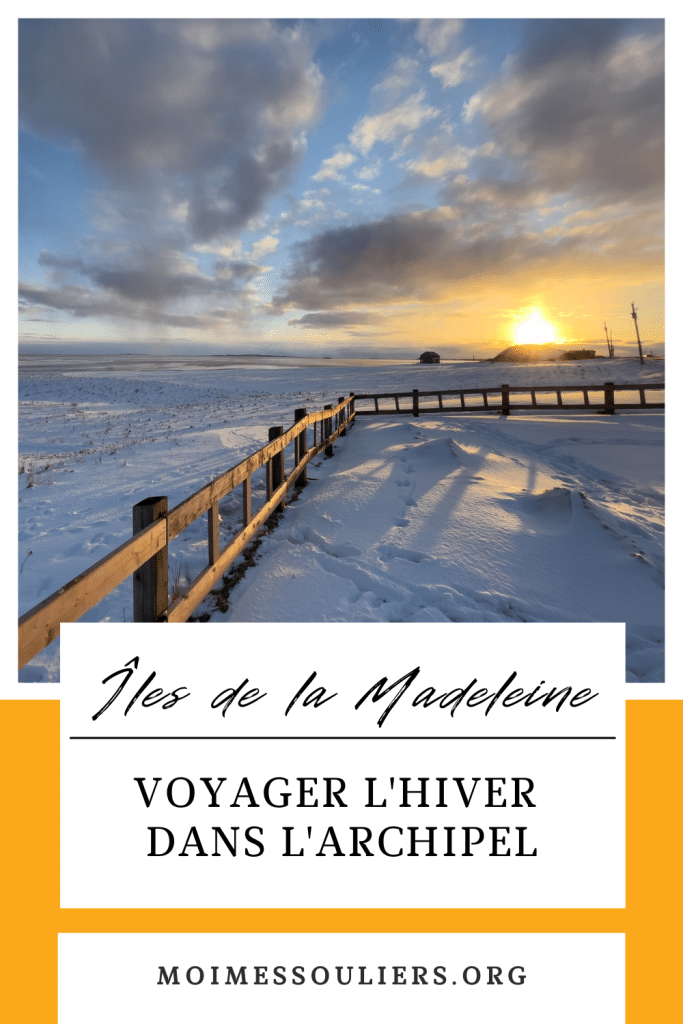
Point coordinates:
pixel 535 330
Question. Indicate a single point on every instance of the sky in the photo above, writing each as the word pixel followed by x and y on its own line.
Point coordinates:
pixel 340 187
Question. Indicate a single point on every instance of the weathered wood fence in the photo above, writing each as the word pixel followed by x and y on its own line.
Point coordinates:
pixel 145 555
pixel 506 399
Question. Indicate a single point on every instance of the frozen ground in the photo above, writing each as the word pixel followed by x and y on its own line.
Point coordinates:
pixel 551 517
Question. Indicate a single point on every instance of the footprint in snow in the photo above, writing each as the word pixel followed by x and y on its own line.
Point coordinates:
pixel 387 552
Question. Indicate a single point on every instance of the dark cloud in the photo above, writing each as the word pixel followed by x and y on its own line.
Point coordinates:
pixel 315 321
pixel 547 40
pixel 245 271
pixel 201 112
pixel 82 302
pixel 48 259
pixel 243 193
pixel 427 256
pixel 156 276
pixel 387 260
pixel 234 315
pixel 143 283
pixel 580 107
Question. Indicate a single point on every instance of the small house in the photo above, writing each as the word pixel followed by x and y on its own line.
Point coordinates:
pixel 430 357
pixel 580 353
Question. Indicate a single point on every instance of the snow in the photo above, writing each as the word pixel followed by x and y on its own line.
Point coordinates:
pixel 533 517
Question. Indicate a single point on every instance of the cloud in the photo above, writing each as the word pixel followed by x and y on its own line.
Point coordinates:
pixel 209 114
pixel 332 165
pixel 395 111
pixel 369 172
pixel 315 321
pixel 438 34
pixel 141 283
pixel 48 259
pixel 455 159
pixel 82 302
pixel 402 77
pixel 392 124
pixel 487 199
pixel 580 106
pixel 150 274
pixel 192 127
pixel 263 246
pixel 312 208
pixel 430 255
pixel 244 271
pixel 453 72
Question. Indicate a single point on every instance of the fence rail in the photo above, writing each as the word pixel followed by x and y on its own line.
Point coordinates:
pixel 145 554
pixel 502 399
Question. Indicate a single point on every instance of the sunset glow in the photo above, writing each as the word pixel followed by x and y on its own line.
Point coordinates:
pixel 535 330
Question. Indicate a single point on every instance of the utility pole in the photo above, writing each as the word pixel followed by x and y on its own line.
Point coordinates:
pixel 635 320
pixel 610 346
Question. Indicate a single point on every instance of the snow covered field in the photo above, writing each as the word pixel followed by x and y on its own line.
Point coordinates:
pixel 545 517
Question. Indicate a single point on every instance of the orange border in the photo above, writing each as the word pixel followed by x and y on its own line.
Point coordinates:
pixel 29 745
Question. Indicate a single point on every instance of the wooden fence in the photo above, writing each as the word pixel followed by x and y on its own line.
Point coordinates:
pixel 506 399
pixel 145 555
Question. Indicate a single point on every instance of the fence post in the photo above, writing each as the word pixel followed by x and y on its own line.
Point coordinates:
pixel 214 537
pixel 150 581
pixel 505 399
pixel 277 467
pixel 352 407
pixel 329 450
pixel 246 501
pixel 609 398
pixel 416 402
pixel 300 448
pixel 342 416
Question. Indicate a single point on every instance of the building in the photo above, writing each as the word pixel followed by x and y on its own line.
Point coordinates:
pixel 430 357
pixel 579 353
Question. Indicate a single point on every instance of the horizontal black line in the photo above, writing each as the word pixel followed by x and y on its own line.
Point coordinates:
pixel 342 738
